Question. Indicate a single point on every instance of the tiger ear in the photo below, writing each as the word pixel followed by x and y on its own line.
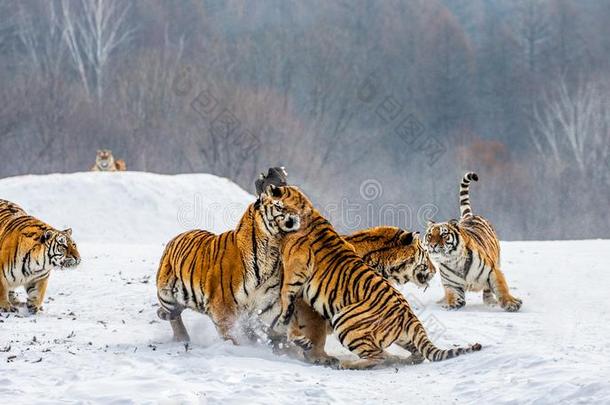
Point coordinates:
pixel 46 236
pixel 68 231
pixel 406 238
pixel 61 239
pixel 430 223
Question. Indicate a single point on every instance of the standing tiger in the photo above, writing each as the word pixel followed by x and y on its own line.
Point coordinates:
pixel 105 162
pixel 467 254
pixel 29 250
pixel 366 312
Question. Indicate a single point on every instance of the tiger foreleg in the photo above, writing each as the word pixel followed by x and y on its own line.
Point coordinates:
pixel 225 325
pixel 499 286
pixel 295 274
pixel 5 304
pixel 36 292
pixel 488 298
pixel 454 298
pixel 12 298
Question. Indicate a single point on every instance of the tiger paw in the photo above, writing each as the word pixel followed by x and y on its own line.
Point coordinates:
pixel 8 308
pixel 455 305
pixel 490 301
pixel 325 360
pixel 33 309
pixel 512 304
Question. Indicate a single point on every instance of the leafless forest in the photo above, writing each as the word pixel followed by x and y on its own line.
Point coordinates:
pixel 376 108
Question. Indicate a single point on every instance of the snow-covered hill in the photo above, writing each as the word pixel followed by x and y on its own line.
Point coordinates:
pixel 99 339
pixel 129 207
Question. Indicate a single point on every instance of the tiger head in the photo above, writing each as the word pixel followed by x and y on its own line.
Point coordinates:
pixel 104 159
pixel 396 254
pixel 442 239
pixel 285 208
pixel 61 248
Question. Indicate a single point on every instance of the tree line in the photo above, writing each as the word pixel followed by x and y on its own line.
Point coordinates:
pixel 402 95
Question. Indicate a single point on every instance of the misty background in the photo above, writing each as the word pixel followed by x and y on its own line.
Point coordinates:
pixel 376 108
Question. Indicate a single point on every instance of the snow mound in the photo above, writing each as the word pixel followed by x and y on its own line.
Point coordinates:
pixel 129 207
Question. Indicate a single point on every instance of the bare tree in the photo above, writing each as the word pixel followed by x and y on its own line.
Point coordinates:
pixel 93 32
pixel 571 124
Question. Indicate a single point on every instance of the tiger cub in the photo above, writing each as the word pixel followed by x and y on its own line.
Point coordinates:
pixel 105 162
pixel 366 312
pixel 29 250
pixel 467 254
pixel 395 254
pixel 226 276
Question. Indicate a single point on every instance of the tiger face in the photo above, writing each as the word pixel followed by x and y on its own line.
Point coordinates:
pixel 405 260
pixel 442 239
pixel 284 208
pixel 61 248
pixel 398 255
pixel 104 159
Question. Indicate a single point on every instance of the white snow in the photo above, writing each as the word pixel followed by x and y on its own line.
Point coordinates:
pixel 99 339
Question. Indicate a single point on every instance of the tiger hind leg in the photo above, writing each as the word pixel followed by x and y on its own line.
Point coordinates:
pixel 170 310
pixel 416 357
pixel 376 357
pixel 180 332
pixel 499 286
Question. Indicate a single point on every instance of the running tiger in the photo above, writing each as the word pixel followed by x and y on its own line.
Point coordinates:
pixel 395 254
pixel 367 313
pixel 105 162
pixel 467 254
pixel 29 250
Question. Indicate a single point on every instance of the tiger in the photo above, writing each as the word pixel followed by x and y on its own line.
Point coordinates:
pixel 395 254
pixel 105 162
pixel 366 312
pixel 467 254
pixel 29 250
pixel 227 276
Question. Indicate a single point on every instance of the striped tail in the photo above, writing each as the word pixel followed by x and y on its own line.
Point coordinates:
pixel 465 209
pixel 432 353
